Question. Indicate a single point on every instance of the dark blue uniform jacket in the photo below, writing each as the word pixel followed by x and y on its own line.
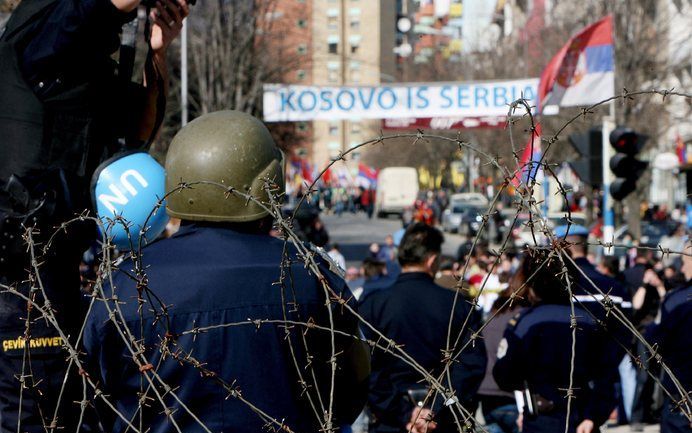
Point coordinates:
pixel 673 333
pixel 589 296
pixel 71 41
pixel 415 312
pixel 211 277
pixel 592 299
pixel 536 352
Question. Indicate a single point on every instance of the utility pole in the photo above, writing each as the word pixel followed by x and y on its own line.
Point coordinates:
pixel 404 69
pixel 608 213
pixel 470 169
pixel 344 123
pixel 183 74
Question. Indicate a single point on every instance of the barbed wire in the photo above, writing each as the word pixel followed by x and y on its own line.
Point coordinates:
pixel 154 389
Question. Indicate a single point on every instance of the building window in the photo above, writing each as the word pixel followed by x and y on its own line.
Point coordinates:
pixel 354 11
pixel 332 23
pixel 302 23
pixel 354 64
pixel 355 24
pixel 354 41
pixel 332 12
pixel 302 48
pixel 333 76
pixel 333 129
pixel 333 44
pixel 355 128
pixel 300 74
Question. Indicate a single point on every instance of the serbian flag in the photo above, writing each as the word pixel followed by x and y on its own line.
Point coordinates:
pixel 582 72
pixel 306 172
pixel 680 150
pixel 367 176
pixel 327 176
pixel 529 158
pixel 343 177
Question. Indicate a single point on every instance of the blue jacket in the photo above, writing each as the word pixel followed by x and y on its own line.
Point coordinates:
pixel 536 352
pixel 673 334
pixel 215 282
pixel 591 299
pixel 380 282
pixel 589 296
pixel 415 313
pixel 73 42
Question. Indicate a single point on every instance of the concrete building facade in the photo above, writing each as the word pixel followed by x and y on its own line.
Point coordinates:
pixel 289 26
pixel 353 42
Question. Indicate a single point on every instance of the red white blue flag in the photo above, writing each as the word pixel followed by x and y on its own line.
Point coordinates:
pixel 582 72
pixel 530 158
pixel 680 150
pixel 367 176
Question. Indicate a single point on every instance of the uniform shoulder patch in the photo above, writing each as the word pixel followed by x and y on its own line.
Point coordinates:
pixel 515 319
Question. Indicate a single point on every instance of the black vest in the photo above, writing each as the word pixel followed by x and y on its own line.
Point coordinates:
pixel 49 147
pixel 69 132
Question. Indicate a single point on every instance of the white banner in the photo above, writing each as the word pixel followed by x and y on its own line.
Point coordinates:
pixel 283 102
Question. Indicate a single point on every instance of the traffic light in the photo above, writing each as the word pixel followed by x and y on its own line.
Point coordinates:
pixel 589 165
pixel 625 166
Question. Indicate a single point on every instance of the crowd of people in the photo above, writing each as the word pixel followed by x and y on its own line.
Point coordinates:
pixel 224 324
pixel 522 308
pixel 338 199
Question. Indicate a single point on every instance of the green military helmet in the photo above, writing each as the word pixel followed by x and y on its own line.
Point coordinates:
pixel 231 148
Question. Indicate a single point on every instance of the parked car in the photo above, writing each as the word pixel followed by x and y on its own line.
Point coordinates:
pixel 459 206
pixel 463 218
pixel 523 234
pixel 470 198
pixel 651 232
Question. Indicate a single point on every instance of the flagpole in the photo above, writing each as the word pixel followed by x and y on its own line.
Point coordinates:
pixel 607 153
pixel 183 74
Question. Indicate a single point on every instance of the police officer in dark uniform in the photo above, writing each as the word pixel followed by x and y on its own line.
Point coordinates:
pixel 589 280
pixel 535 356
pixel 598 293
pixel 223 268
pixel 62 110
pixel 673 336
pixel 415 313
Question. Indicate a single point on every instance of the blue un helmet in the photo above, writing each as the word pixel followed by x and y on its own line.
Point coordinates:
pixel 130 186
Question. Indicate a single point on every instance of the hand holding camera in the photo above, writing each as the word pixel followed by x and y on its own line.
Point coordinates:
pixel 167 18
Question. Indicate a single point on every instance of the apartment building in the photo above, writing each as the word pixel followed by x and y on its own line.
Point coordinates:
pixel 289 27
pixel 352 44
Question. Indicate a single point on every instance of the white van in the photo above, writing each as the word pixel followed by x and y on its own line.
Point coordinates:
pixel 397 189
